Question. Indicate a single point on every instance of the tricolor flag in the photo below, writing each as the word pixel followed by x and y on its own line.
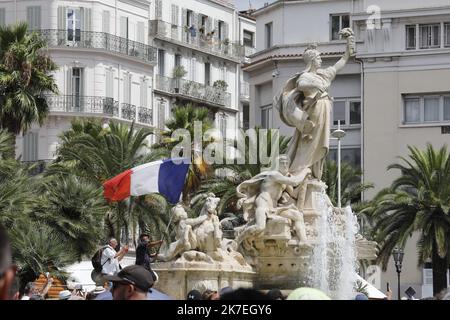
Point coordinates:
pixel 164 176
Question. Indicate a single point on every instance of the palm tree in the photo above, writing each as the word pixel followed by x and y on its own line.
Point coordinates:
pixel 224 186
pixel 37 249
pixel 74 208
pixel 25 76
pixel 184 117
pixel 97 154
pixel 417 201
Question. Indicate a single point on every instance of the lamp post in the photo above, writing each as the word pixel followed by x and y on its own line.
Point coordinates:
pixel 339 134
pixel 398 253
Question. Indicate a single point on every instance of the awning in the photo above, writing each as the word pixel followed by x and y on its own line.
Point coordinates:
pixel 373 292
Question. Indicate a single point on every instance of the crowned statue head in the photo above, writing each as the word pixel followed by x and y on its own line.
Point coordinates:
pixel 312 58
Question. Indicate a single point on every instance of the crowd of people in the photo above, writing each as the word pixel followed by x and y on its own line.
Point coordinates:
pixel 135 282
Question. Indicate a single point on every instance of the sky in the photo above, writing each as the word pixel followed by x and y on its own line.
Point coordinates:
pixel 244 4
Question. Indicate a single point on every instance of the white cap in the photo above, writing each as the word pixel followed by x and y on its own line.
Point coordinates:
pixel 64 295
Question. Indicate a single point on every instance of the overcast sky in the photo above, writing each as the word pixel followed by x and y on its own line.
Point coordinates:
pixel 244 4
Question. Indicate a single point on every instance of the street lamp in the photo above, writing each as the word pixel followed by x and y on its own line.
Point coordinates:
pixel 398 253
pixel 339 134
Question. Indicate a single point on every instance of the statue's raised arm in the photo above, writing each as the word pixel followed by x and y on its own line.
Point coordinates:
pixel 305 104
pixel 348 35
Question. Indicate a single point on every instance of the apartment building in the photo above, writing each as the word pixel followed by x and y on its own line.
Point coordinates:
pixel 199 55
pixel 394 94
pixel 105 64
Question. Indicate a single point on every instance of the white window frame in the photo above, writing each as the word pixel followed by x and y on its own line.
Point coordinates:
pixel 446 34
pixel 430 36
pixel 71 24
pixel 349 147
pixel 340 15
pixel 411 26
pixel 421 98
pixel 252 38
pixel 347 124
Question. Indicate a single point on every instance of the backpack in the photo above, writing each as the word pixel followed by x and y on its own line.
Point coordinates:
pixel 97 260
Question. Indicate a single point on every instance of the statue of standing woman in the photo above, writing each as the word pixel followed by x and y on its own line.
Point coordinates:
pixel 305 104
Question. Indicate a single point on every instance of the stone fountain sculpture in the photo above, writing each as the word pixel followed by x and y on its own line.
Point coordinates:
pixel 292 227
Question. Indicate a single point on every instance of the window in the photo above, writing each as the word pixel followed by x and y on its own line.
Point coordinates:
pixel 161 62
pixel 248 39
pixel 189 14
pixel 30 146
pixel 426 108
pixel 73 25
pixel 2 17
pixel 431 109
pixel 266 117
pixel 144 92
pixel 177 60
pixel 158 9
pixel 221 33
pixel 34 18
pixel 161 115
pixel 430 35
pixel 351 156
pixel 447 35
pixel 339 22
pixel 410 37
pixel 207 74
pixel 412 110
pixel 355 112
pixel 339 112
pixel 269 35
pixel 348 111
pixel 446 108
pixel 77 87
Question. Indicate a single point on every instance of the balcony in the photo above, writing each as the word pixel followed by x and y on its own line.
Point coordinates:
pixel 98 106
pixel 249 51
pixel 101 41
pixel 193 90
pixel 245 91
pixel 194 39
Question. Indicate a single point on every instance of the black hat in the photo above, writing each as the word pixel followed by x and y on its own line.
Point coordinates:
pixel 135 275
pixel 194 295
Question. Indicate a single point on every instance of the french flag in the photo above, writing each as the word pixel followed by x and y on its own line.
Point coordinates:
pixel 164 176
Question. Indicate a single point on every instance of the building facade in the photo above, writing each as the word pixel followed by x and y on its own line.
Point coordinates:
pixel 105 65
pixel 395 92
pixel 198 60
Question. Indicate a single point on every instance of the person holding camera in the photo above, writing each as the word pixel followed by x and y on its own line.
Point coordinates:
pixel 143 256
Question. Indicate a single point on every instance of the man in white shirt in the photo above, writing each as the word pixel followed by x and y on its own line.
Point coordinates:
pixel 110 257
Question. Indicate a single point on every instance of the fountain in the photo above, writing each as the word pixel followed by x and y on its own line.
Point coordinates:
pixel 293 235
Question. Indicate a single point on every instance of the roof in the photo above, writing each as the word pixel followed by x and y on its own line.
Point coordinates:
pixel 247 14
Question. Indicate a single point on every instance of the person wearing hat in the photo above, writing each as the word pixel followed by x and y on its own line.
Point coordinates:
pixel 131 283
pixel 194 295
pixel 64 295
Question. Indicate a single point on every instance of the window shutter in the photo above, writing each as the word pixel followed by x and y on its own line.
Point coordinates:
pixel 85 14
pixel 208 24
pixel 62 25
pixel 2 17
pixel 69 81
pixel 109 83
pixel 124 27
pixel 225 31
pixel 195 19
pixel 161 116
pixel 193 69
pixel 140 37
pixel 184 17
pixel 30 146
pixel 106 20
pixel 175 12
pixel 82 82
pixel 34 18
pixel 126 88
pixel 144 102
pixel 158 9
pixel 216 29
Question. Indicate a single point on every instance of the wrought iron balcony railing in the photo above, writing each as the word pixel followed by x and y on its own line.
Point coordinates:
pixel 196 38
pixel 99 40
pixel 193 90
pixel 102 106
pixel 36 167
